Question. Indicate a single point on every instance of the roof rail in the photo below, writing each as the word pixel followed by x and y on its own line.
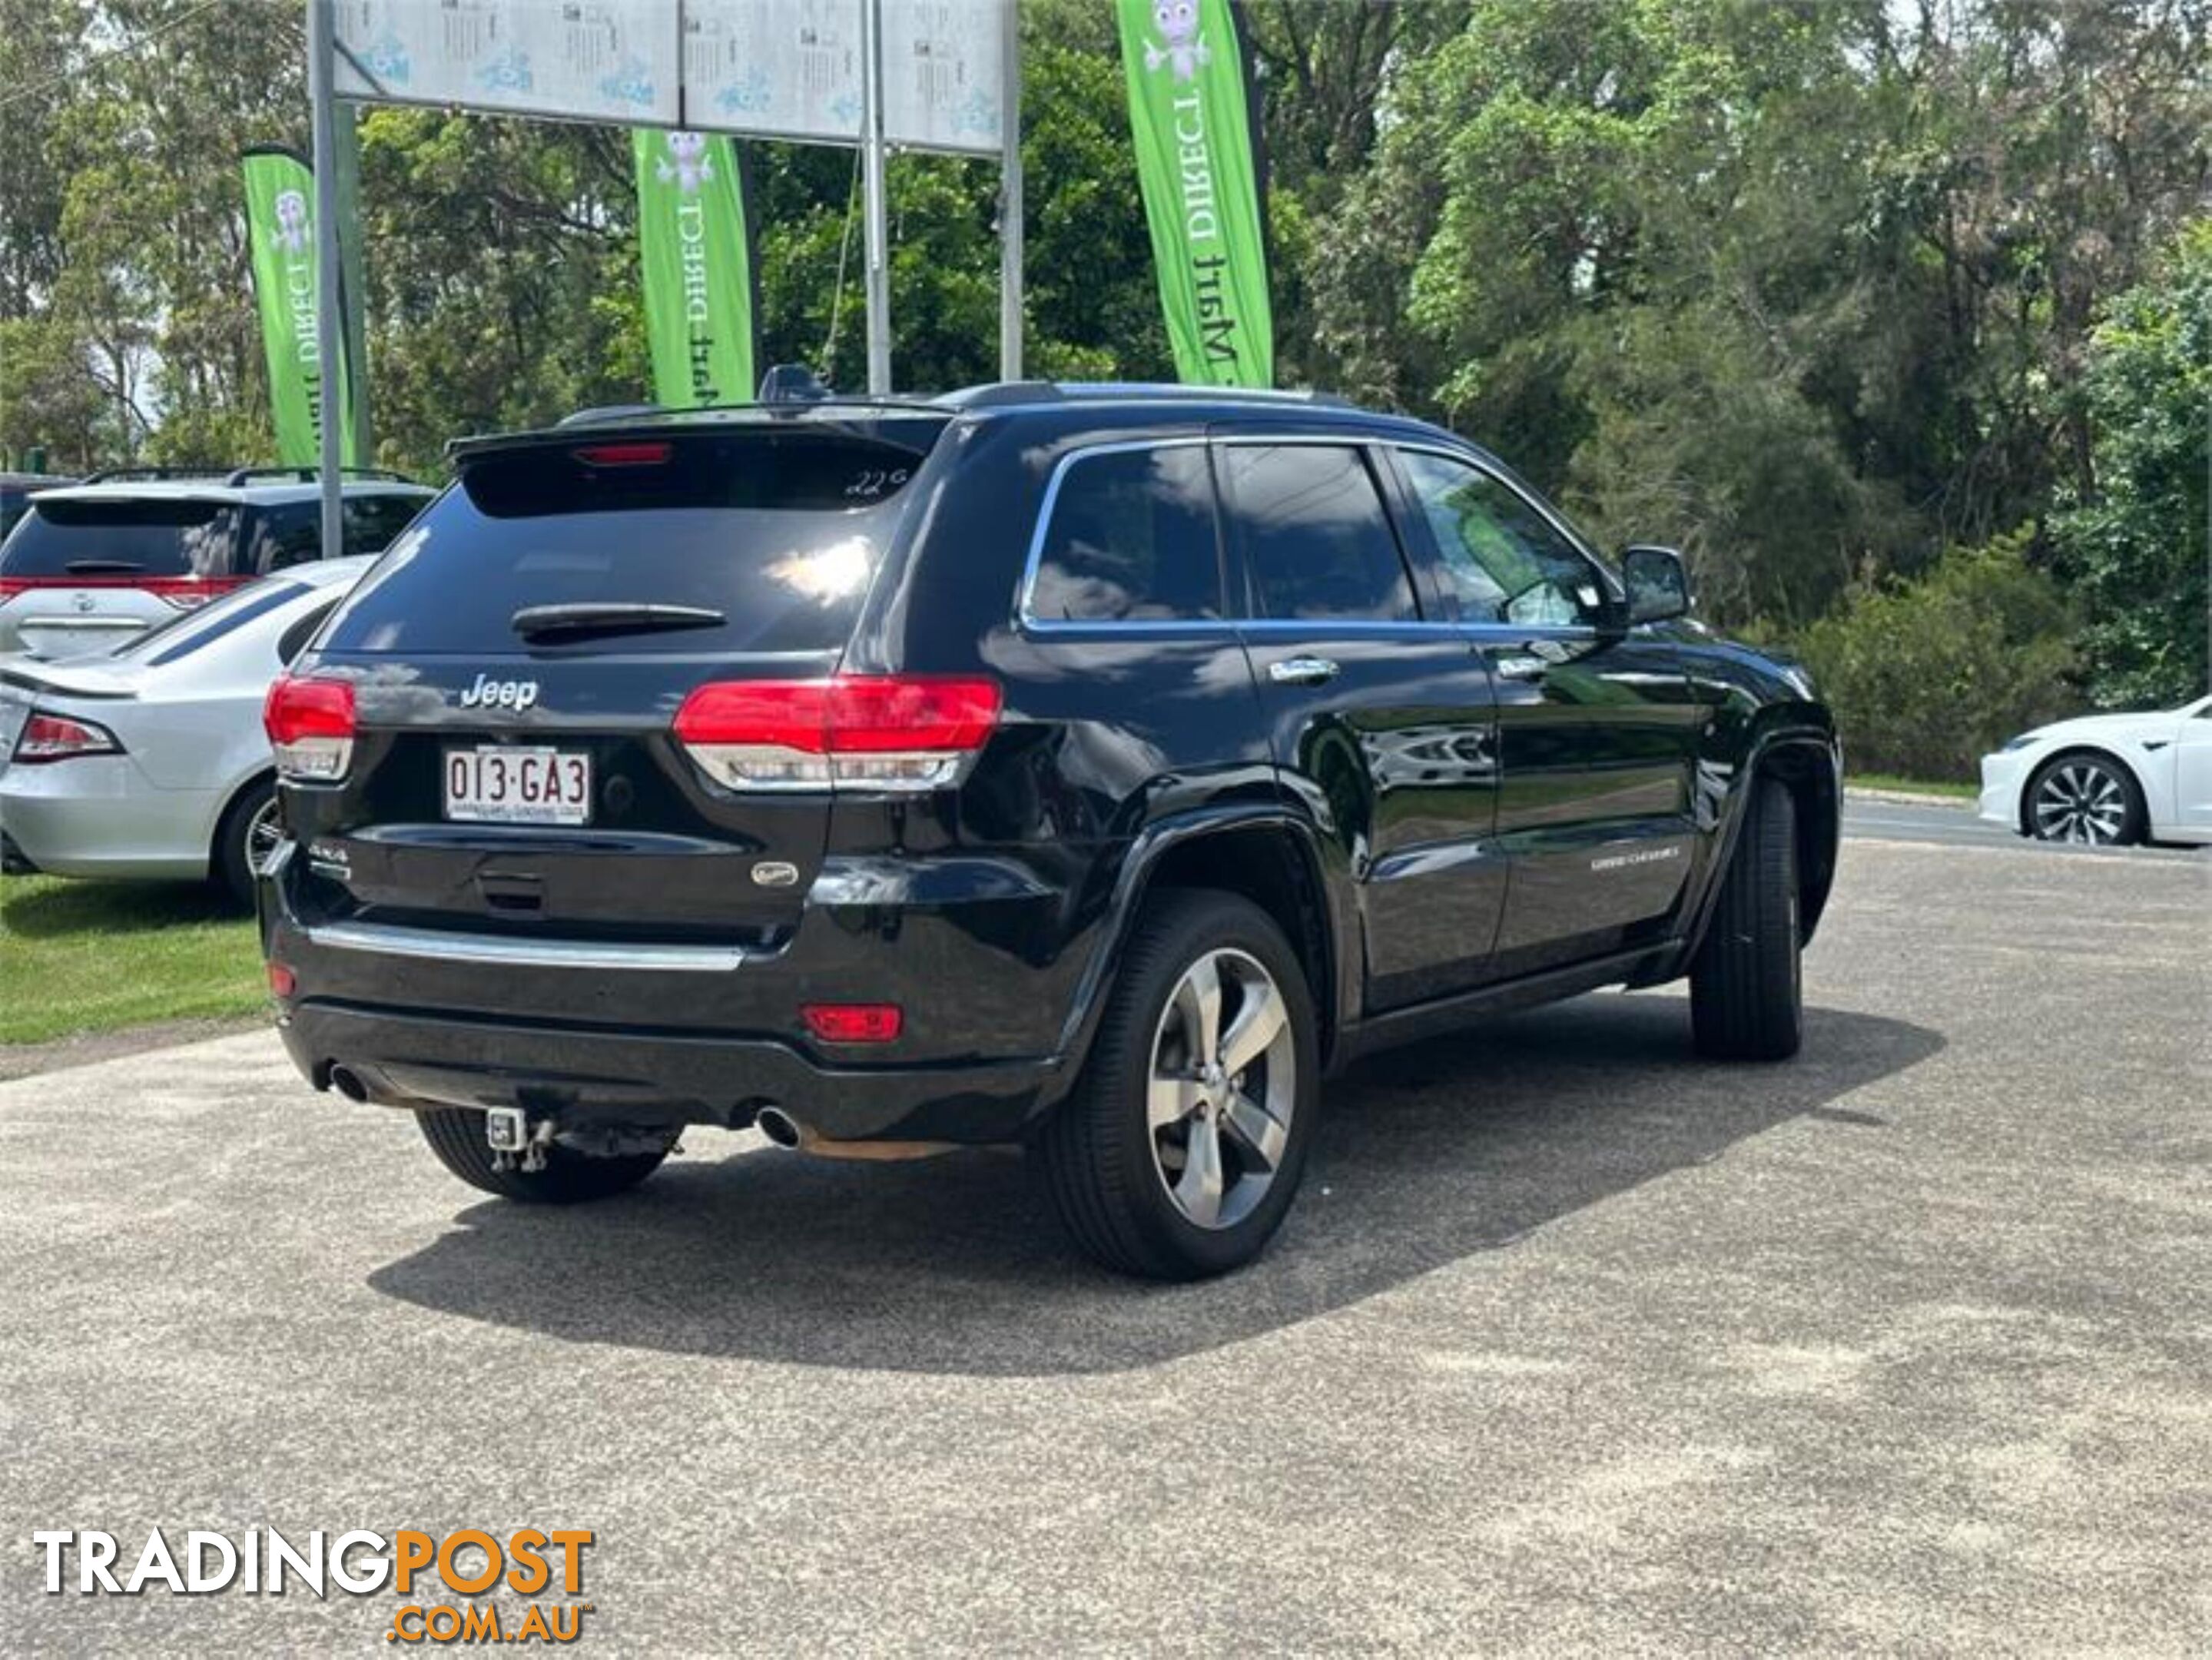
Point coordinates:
pixel 110 475
pixel 309 475
pixel 1007 393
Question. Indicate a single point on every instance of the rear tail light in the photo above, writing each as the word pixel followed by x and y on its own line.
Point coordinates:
pixel 892 731
pixel 57 738
pixel 185 593
pixel 311 726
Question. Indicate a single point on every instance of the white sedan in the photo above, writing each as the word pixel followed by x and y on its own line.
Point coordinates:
pixel 150 760
pixel 2108 780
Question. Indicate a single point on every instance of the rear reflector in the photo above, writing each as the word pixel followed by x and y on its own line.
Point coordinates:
pixel 892 732
pixel 57 738
pixel 311 726
pixel 854 1023
pixel 282 980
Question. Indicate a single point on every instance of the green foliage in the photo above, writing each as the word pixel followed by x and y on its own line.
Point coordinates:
pixel 1927 676
pixel 1811 290
pixel 2135 547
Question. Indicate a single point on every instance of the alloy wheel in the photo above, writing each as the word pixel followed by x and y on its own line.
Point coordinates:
pixel 2079 801
pixel 1223 1087
pixel 264 836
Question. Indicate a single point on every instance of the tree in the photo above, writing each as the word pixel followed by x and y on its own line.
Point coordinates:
pixel 2133 545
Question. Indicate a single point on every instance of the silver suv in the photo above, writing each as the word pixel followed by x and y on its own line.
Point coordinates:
pixel 91 565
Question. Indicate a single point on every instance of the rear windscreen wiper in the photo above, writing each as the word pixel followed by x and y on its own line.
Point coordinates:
pixel 558 621
pixel 102 567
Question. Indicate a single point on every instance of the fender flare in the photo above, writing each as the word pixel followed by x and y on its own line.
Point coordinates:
pixel 1131 885
pixel 1820 741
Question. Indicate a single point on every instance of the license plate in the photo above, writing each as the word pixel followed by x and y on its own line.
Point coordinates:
pixel 502 784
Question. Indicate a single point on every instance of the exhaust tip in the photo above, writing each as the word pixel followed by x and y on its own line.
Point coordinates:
pixel 346 1082
pixel 779 1126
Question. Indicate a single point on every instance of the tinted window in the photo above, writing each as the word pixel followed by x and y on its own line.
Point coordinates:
pixel 1315 535
pixel 1506 561
pixel 780 532
pixel 122 537
pixel 1131 537
pixel 291 534
pixel 294 639
pixel 371 522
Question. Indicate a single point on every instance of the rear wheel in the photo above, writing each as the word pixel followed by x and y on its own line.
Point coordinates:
pixel 457 1136
pixel 248 835
pixel 1747 990
pixel 2085 798
pixel 1181 1148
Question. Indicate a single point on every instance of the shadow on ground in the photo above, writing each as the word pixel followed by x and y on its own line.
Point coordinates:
pixel 1462 1145
pixel 39 909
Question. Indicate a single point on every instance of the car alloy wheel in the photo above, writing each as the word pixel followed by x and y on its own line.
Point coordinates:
pixel 264 834
pixel 1223 1089
pixel 2079 801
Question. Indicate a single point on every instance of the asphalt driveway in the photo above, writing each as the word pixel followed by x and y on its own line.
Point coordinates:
pixel 1573 1343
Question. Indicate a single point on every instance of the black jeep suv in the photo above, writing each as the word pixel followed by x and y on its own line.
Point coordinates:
pixel 1088 768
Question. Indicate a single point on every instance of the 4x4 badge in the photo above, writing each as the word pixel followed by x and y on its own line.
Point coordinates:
pixel 775 873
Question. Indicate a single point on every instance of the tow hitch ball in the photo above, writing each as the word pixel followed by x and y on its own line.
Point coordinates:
pixel 512 1138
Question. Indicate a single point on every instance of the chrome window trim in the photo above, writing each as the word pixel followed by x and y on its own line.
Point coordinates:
pixel 1028 621
pixel 500 950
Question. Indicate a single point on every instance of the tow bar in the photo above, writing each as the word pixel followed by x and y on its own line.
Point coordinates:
pixel 509 1132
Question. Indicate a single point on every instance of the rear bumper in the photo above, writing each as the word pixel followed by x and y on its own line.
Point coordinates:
pixel 636 1075
pixel 97 816
pixel 670 1034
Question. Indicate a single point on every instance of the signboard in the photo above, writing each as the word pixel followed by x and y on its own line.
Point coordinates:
pixel 781 69
pixel 772 68
pixel 944 74
pixel 589 60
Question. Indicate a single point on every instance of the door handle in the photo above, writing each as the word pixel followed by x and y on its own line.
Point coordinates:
pixel 1302 670
pixel 1528 660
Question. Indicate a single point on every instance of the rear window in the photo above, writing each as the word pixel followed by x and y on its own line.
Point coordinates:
pixel 122 537
pixel 780 532
pixel 1131 539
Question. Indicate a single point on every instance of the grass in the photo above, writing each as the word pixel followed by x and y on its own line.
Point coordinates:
pixel 1885 780
pixel 84 957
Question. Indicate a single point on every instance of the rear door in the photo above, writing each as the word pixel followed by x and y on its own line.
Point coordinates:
pixel 1379 713
pixel 1597 730
pixel 505 776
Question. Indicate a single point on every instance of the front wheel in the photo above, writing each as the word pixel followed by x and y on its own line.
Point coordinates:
pixel 2085 798
pixel 1181 1148
pixel 1747 989
pixel 457 1136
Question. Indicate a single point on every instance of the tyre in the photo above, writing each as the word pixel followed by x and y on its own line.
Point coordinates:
pixel 2085 799
pixel 1182 1147
pixel 249 833
pixel 457 1136
pixel 1747 990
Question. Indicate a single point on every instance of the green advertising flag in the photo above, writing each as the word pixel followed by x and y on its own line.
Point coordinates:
pixel 1196 161
pixel 280 226
pixel 697 266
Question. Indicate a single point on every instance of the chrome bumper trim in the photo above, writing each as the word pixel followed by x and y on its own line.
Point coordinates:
pixel 502 951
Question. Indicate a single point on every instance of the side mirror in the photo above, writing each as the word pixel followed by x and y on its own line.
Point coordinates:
pixel 1658 584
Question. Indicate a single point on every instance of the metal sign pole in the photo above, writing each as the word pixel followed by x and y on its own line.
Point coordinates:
pixel 876 249
pixel 322 34
pixel 1010 197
